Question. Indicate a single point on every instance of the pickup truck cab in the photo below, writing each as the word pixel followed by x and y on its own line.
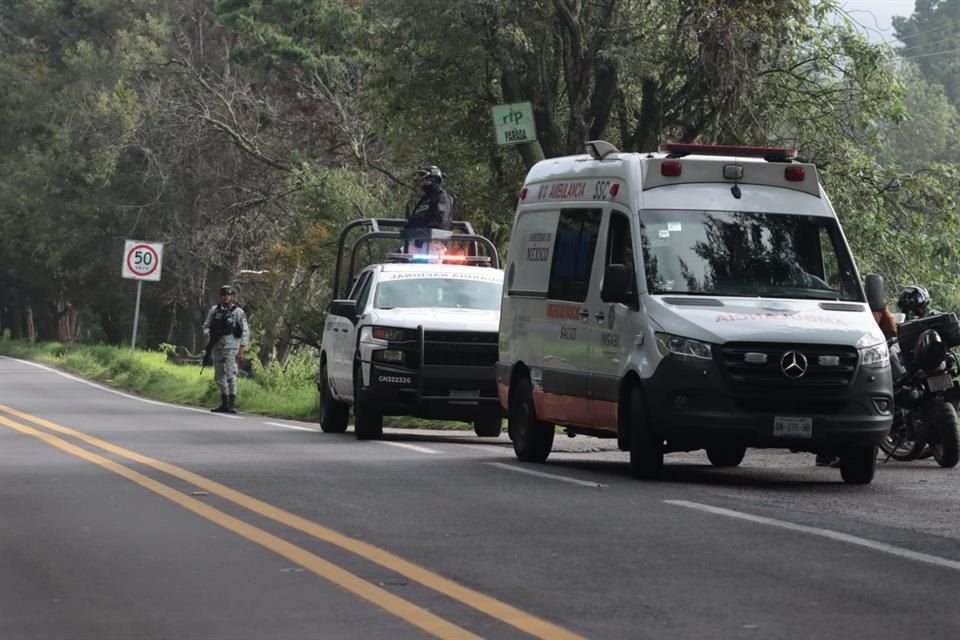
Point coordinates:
pixel 415 336
pixel 697 297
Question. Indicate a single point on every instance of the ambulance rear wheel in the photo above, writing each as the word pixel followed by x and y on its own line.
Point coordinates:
pixel 488 427
pixel 646 446
pixel 726 455
pixel 532 438
pixel 857 465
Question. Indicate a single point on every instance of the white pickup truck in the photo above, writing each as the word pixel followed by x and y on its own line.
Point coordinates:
pixel 415 336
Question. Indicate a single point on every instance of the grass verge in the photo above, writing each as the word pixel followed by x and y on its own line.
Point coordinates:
pixel 272 391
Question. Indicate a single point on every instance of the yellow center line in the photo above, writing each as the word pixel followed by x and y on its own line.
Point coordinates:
pixel 399 607
pixel 492 607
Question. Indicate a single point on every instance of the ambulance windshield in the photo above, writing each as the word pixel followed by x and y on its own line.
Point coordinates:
pixel 736 253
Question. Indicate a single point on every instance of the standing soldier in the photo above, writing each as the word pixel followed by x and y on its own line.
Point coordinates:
pixel 228 335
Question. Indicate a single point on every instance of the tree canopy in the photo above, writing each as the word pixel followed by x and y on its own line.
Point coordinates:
pixel 244 134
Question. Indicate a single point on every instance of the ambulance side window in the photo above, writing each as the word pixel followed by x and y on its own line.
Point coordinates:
pixel 573 251
pixel 620 251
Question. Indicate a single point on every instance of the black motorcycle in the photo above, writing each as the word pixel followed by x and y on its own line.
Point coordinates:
pixel 926 392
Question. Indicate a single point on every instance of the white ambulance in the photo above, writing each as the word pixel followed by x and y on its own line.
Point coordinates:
pixel 697 297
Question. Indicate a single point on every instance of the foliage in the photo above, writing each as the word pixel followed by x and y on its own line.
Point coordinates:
pixel 244 134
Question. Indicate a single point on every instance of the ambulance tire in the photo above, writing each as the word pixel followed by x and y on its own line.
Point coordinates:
pixel 532 438
pixel 726 455
pixel 334 415
pixel 857 465
pixel 488 427
pixel 367 421
pixel 646 446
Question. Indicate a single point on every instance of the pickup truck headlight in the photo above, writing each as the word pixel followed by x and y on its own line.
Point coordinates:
pixel 875 357
pixel 669 344
pixel 390 334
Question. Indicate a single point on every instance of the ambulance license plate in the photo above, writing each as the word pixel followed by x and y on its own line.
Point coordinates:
pixel 791 427
pixel 941 382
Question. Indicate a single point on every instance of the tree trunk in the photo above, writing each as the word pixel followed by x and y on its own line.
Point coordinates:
pixel 31 333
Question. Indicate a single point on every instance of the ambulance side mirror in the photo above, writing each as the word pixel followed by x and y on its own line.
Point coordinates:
pixel 875 292
pixel 616 284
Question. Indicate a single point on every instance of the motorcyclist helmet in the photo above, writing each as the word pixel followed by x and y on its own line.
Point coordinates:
pixel 914 301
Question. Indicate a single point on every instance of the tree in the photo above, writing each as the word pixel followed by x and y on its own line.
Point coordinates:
pixel 931 36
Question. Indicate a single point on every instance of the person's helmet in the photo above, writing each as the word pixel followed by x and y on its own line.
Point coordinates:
pixel 914 300
pixel 227 289
pixel 430 171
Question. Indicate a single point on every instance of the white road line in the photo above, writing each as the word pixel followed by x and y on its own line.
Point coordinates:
pixel 290 426
pixel 541 474
pixel 883 547
pixel 120 393
pixel 404 445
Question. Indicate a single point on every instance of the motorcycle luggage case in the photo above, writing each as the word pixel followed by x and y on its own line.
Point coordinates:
pixel 946 324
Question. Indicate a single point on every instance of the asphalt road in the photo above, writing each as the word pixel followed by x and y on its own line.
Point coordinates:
pixel 122 518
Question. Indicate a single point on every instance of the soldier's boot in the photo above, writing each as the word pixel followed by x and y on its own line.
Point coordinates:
pixel 230 400
pixel 224 404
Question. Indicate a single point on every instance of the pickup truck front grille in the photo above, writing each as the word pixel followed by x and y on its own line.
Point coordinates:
pixel 460 348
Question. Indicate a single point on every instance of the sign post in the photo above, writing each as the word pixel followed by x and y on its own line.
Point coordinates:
pixel 514 123
pixel 141 261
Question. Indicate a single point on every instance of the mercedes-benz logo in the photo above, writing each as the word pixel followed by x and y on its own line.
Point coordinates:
pixel 793 364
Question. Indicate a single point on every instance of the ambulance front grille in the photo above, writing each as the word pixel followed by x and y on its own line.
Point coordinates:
pixel 762 364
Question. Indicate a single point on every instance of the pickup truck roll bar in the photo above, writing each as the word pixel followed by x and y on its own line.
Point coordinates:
pixel 394 228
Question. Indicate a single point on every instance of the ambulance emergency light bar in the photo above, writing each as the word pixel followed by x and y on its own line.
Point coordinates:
pixel 673 168
pixel 771 154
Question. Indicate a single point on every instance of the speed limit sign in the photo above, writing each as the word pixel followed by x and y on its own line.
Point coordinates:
pixel 142 260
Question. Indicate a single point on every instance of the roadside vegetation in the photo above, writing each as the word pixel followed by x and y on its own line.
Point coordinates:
pixel 282 392
pixel 244 134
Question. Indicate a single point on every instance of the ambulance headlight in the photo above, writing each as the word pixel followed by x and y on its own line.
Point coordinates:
pixel 875 357
pixel 669 344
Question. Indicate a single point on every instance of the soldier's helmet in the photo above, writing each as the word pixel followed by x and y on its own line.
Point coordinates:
pixel 227 290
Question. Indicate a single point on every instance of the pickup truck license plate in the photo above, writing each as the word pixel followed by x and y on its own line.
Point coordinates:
pixel 790 427
pixel 941 382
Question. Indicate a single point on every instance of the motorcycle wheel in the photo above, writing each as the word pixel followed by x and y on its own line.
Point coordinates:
pixel 898 445
pixel 947 450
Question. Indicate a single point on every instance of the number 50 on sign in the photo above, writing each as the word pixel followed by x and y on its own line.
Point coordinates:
pixel 142 260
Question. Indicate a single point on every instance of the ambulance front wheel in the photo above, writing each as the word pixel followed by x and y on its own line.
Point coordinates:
pixel 532 438
pixel 646 445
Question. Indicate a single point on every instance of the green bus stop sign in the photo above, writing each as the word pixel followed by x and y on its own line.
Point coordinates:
pixel 513 123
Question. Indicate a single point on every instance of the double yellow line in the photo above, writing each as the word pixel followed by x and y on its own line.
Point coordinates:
pixel 404 609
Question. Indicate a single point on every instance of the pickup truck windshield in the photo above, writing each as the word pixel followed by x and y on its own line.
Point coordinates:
pixel 736 253
pixel 433 293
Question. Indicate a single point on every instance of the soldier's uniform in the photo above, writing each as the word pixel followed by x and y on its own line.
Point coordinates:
pixel 229 322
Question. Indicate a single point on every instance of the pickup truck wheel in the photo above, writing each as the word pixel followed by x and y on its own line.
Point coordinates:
pixel 646 447
pixel 368 422
pixel 334 414
pixel 857 465
pixel 488 427
pixel 532 438
pixel 726 455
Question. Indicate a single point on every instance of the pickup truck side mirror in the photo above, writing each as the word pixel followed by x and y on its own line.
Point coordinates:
pixel 616 284
pixel 875 292
pixel 344 308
